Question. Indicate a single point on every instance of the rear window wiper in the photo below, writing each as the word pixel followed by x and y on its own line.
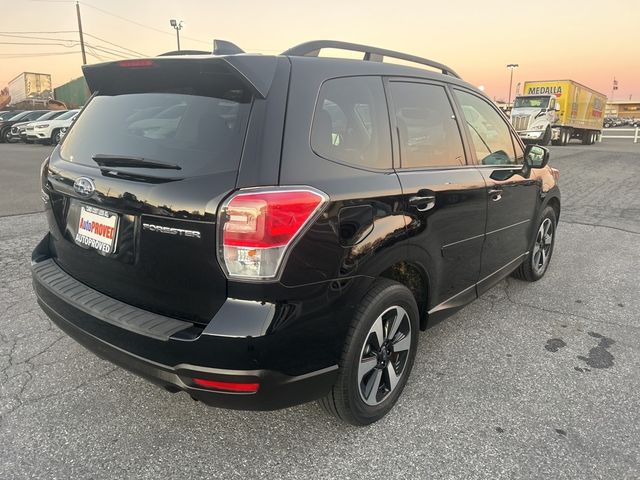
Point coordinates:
pixel 105 160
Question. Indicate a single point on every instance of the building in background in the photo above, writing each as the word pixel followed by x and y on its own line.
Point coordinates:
pixel 74 94
pixel 30 90
pixel 623 109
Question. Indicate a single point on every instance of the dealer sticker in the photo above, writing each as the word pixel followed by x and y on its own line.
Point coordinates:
pixel 97 229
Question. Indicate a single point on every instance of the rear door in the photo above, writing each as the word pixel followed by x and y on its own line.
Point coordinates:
pixel 444 196
pixel 511 196
pixel 134 188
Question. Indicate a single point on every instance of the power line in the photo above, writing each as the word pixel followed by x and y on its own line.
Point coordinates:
pixel 42 31
pixel 115 45
pixel 31 37
pixel 38 54
pixel 140 24
pixel 106 12
pixel 53 39
pixel 38 31
pixel 74 43
pixel 97 56
pixel 109 51
pixel 43 43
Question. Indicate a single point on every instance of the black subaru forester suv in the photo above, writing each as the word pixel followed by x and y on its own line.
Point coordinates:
pixel 262 231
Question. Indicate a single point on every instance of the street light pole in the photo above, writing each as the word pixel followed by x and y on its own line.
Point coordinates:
pixel 512 67
pixel 178 26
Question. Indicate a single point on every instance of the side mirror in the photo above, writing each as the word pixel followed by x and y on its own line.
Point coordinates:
pixel 557 107
pixel 536 156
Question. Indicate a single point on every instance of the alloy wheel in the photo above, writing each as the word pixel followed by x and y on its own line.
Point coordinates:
pixel 383 357
pixel 542 246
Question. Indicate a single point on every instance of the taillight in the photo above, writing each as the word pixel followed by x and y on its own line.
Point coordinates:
pixel 257 227
pixel 141 63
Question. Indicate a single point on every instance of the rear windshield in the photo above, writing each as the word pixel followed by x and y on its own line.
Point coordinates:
pixel 200 133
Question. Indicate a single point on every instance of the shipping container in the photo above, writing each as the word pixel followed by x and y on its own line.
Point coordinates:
pixel 74 93
pixel 30 86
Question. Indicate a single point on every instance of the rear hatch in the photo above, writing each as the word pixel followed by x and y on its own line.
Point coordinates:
pixel 134 188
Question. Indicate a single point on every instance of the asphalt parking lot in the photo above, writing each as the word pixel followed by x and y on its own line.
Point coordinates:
pixel 20 184
pixel 530 381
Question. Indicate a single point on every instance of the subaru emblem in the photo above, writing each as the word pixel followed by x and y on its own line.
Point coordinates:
pixel 84 186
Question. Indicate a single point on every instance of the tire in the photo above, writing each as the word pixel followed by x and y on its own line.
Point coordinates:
pixel 353 398
pixel 546 138
pixel 562 141
pixel 531 269
pixel 55 137
pixel 586 138
pixel 4 137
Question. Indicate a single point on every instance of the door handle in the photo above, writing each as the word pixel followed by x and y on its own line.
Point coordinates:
pixel 422 203
pixel 495 194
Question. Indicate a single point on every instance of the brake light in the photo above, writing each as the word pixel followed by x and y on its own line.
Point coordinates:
pixel 257 227
pixel 136 63
pixel 227 386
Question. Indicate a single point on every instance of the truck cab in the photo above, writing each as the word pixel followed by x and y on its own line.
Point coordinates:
pixel 533 117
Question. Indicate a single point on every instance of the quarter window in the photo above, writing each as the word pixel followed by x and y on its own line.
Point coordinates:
pixel 351 123
pixel 427 128
pixel 490 134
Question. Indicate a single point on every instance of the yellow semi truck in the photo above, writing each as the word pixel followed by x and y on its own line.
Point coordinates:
pixel 558 110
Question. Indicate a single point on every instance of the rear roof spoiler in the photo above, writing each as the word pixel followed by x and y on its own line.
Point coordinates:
pixel 256 71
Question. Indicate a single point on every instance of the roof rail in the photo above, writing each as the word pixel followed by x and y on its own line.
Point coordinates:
pixel 373 54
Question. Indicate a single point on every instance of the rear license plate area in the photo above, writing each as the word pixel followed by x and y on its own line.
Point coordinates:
pixel 97 229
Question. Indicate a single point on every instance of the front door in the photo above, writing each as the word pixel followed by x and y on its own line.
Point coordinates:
pixel 511 195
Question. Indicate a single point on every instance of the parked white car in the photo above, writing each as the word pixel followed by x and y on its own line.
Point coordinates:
pixel 49 131
pixel 19 130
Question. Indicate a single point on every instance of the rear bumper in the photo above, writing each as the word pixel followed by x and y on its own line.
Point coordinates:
pixel 174 362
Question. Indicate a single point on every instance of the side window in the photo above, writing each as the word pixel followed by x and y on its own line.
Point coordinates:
pixel 490 134
pixel 427 128
pixel 351 123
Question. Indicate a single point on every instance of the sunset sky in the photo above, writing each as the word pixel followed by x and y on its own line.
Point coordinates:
pixel 590 41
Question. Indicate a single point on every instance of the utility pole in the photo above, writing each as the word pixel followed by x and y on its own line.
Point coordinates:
pixel 84 55
pixel 178 26
pixel 512 67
